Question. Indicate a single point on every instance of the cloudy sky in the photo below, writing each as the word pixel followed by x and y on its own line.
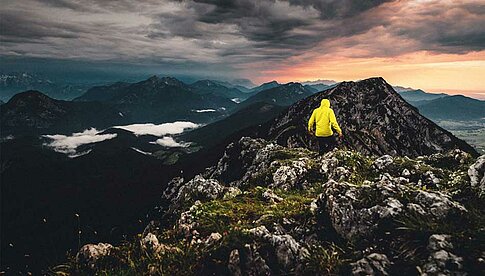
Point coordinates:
pixel 434 45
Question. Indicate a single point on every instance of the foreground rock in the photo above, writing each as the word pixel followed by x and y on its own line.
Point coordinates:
pixel 268 210
pixel 95 256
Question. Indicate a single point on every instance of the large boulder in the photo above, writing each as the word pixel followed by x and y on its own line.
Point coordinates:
pixel 477 175
pixel 441 260
pixel 288 251
pixel 199 188
pixel 372 264
pixel 95 256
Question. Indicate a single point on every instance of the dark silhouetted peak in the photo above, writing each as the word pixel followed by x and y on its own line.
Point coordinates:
pixel 220 89
pixel 162 81
pixel 32 111
pixel 374 118
pixel 30 95
pixel 153 78
pixel 282 95
pixel 34 100
pixel 265 86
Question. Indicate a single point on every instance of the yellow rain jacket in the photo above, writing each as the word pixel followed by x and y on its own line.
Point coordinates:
pixel 325 120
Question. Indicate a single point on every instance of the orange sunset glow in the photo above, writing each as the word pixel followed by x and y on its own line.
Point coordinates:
pixel 448 73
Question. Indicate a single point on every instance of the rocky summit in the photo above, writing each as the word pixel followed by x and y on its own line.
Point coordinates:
pixel 375 120
pixel 266 209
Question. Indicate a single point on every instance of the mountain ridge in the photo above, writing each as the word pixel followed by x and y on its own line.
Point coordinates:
pixel 359 107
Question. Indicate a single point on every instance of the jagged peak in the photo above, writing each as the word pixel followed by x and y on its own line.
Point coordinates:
pixel 270 82
pixel 165 80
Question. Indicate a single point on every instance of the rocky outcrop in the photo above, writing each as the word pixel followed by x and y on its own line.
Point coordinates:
pixel 95 256
pixel 356 212
pixel 289 252
pixel 477 175
pixel 198 188
pixel 269 210
pixel 373 264
pixel 441 261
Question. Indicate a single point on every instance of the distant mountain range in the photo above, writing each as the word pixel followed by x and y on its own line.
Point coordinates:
pixel 209 87
pixel 13 83
pixel 265 86
pixel 32 112
pixel 164 99
pixel 443 106
pixel 455 107
pixel 418 96
pixel 282 95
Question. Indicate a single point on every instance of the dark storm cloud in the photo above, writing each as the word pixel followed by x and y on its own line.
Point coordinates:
pixel 237 32
pixel 275 25
pixel 454 28
pixel 331 9
pixel 17 27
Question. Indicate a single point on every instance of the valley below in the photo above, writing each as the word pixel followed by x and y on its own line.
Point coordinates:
pixel 473 132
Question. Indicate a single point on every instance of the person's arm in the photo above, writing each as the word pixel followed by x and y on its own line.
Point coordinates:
pixel 333 122
pixel 311 122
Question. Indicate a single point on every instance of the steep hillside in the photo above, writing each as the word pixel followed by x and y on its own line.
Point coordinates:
pixel 374 119
pixel 33 112
pixel 103 93
pixel 213 134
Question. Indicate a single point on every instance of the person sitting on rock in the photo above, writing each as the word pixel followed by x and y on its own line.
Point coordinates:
pixel 323 118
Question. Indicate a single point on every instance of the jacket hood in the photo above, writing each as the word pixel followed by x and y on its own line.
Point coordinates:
pixel 325 103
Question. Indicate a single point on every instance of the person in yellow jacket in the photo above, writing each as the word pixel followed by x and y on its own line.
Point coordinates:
pixel 324 120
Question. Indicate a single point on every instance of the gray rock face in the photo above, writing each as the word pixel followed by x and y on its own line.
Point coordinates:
pixel 355 212
pixel 255 264
pixel 477 175
pixel 372 264
pixel 441 261
pixel 234 263
pixel 247 155
pixel 374 118
pixel 251 160
pixel 199 188
pixel 150 243
pixel 91 255
pixel 289 176
pixel 383 161
pixel 289 252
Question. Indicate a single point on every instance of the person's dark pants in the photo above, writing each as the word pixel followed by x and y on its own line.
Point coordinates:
pixel 326 144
